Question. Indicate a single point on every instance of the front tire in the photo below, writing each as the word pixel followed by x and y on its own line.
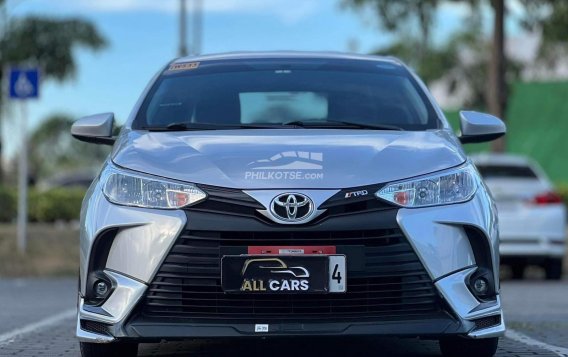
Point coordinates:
pixel 462 347
pixel 553 269
pixel 114 349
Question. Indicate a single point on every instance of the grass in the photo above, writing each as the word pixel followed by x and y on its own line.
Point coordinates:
pixel 53 250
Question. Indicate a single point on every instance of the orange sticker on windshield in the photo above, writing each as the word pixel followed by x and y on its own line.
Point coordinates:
pixel 183 66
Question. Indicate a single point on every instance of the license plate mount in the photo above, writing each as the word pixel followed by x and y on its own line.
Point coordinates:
pixel 283 274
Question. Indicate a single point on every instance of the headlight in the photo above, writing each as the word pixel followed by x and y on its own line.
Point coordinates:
pixel 131 189
pixel 446 187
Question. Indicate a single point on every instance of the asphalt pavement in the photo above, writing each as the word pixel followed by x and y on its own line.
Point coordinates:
pixel 37 319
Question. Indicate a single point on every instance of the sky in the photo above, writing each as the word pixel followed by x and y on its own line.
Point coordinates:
pixel 143 37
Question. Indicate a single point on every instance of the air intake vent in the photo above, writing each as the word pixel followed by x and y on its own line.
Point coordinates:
pixel 486 322
pixel 95 327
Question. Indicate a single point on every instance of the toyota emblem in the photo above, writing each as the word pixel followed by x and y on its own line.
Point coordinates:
pixel 291 207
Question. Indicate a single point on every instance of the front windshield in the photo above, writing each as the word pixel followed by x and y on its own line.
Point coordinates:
pixel 237 98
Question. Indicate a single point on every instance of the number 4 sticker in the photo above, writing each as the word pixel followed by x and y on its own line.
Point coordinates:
pixel 337 274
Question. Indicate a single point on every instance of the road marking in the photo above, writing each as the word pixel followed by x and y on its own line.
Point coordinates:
pixel 9 337
pixel 529 341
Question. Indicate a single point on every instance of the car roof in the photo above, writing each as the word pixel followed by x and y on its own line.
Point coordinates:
pixel 244 55
pixel 502 159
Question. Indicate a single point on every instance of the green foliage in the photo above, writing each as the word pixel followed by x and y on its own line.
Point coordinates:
pixel 536 127
pixel 44 42
pixel 59 204
pixel 550 17
pixel 49 43
pixel 7 204
pixel 52 140
pixel 562 190
pixel 396 15
pixel 56 204
pixel 462 60
pixel 431 66
pixel 401 17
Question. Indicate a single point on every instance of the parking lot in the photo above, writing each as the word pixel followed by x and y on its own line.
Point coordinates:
pixel 38 320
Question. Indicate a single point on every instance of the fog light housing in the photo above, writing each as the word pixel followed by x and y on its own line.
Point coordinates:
pixel 101 289
pixel 481 286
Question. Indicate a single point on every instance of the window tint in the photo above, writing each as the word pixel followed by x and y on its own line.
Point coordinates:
pixel 505 171
pixel 262 96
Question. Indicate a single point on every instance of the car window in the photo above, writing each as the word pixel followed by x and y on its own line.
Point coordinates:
pixel 506 171
pixel 279 96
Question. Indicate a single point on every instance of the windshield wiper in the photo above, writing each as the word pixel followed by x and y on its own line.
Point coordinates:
pixel 341 124
pixel 180 127
pixel 208 126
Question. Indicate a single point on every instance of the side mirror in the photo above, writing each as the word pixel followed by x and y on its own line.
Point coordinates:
pixel 480 127
pixel 95 129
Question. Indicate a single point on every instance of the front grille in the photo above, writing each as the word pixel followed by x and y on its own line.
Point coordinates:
pixel 234 202
pixel 227 201
pixel 389 282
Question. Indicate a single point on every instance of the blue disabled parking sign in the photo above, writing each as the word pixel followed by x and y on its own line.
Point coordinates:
pixel 24 83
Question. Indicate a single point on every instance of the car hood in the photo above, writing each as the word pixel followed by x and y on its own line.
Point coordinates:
pixel 288 158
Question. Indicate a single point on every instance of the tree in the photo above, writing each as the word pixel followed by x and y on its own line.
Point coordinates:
pixel 550 18
pixel 496 98
pixel 44 42
pixel 53 150
pixel 497 86
pixel 461 61
pixel 401 14
pixel 431 65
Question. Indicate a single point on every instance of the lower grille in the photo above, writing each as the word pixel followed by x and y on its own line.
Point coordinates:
pixel 486 322
pixel 389 283
pixel 94 326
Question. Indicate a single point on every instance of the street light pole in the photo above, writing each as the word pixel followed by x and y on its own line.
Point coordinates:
pixel 23 86
pixel 197 26
pixel 3 32
pixel 182 28
pixel 23 181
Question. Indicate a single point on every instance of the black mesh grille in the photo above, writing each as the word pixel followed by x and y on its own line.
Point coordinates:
pixel 391 283
pixel 94 326
pixel 488 321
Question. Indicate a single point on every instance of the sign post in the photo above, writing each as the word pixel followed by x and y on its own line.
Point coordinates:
pixel 24 84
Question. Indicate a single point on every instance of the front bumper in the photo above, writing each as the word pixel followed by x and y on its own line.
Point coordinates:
pixel 532 247
pixel 438 235
pixel 108 328
pixel 533 231
pixel 435 325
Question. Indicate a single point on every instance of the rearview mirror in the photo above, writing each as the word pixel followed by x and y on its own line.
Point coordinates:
pixel 480 127
pixel 95 129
